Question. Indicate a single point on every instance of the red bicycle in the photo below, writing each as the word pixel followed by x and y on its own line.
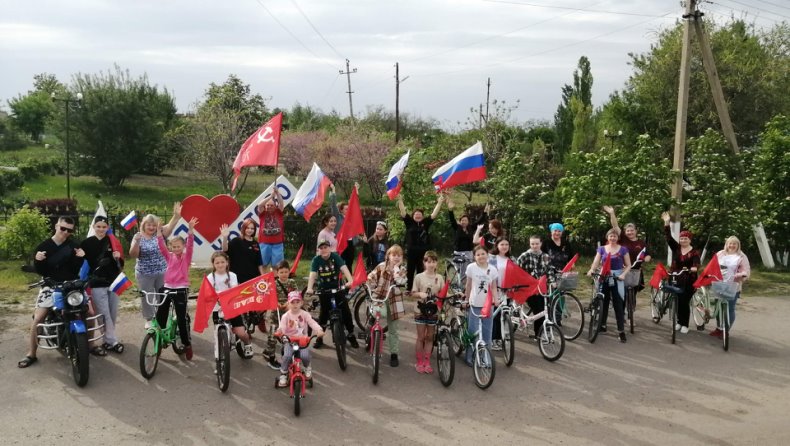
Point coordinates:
pixel 374 331
pixel 297 381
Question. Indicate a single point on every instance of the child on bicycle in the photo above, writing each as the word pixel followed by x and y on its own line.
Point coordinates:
pixel 284 285
pixel 222 279
pixel 480 276
pixel 178 258
pixel 325 270
pixel 536 263
pixel 294 322
pixel 426 285
pixel 387 273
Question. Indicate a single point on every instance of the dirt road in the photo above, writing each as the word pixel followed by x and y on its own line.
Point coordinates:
pixel 643 392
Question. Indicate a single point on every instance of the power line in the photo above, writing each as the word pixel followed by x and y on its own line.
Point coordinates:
pixel 774 4
pixel 309 22
pixel 758 9
pixel 572 8
pixel 292 34
pixel 745 14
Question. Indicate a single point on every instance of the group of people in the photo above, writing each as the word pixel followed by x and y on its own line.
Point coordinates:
pixel 481 247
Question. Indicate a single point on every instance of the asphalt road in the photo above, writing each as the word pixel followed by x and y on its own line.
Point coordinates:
pixel 643 392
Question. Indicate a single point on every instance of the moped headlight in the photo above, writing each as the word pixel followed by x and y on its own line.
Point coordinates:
pixel 75 298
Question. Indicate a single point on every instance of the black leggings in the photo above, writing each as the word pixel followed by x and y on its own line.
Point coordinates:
pixel 536 304
pixel 610 293
pixel 684 311
pixel 326 307
pixel 180 302
pixel 414 264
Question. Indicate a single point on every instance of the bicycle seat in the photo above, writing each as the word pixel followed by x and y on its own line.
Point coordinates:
pixel 459 258
pixel 672 289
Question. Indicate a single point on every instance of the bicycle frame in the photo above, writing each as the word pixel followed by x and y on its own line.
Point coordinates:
pixel 163 336
pixel 295 368
pixel 374 312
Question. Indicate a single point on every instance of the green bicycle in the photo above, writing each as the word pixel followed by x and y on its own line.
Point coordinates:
pixel 156 338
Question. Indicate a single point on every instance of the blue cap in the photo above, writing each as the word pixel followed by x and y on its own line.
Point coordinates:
pixel 556 227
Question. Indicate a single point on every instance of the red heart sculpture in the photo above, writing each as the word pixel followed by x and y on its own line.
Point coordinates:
pixel 211 214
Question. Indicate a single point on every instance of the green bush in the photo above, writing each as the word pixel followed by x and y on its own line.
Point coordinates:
pixel 23 232
pixel 10 179
pixel 33 168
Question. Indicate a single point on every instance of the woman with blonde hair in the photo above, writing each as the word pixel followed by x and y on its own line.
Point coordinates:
pixel 734 268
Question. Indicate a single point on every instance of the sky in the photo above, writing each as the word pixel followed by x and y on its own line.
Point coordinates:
pixel 292 51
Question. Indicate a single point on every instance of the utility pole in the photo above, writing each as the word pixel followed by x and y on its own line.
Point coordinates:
pixel 480 116
pixel 682 112
pixel 488 97
pixel 348 74
pixel 398 81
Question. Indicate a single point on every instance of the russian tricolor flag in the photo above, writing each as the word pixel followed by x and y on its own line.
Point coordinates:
pixel 120 284
pixel 467 167
pixel 394 180
pixel 310 196
pixel 129 221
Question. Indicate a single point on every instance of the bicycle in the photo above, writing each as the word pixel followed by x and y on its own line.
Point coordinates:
pixel 595 309
pixel 723 294
pixel 359 301
pixel 454 271
pixel 222 335
pixel 666 299
pixel 374 332
pixel 508 307
pixel 551 341
pixel 443 339
pixel 632 279
pixel 567 311
pixel 483 362
pixel 336 323
pixel 457 324
pixel 157 338
pixel 297 380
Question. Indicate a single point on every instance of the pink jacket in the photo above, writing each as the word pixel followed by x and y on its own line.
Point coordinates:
pixel 177 273
pixel 296 324
pixel 742 272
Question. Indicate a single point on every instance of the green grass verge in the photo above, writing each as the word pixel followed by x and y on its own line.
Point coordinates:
pixel 15 157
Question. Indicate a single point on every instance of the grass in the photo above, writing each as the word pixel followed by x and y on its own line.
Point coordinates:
pixel 15 157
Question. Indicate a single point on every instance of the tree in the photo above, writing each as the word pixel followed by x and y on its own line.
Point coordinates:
pixel 583 126
pixel 772 175
pixel 23 232
pixel 119 126
pixel 236 97
pixel 31 112
pixel 565 118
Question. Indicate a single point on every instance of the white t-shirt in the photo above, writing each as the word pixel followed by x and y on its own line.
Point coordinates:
pixel 481 278
pixel 222 282
pixel 729 265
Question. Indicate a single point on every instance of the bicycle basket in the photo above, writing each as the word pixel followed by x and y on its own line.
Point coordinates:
pixel 568 281
pixel 632 278
pixel 724 290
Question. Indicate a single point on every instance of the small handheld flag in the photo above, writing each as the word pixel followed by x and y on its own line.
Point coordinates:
pixel 395 177
pixel 120 284
pixel 129 221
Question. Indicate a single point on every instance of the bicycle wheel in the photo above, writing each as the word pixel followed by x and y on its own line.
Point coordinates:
pixel 699 308
pixel 551 342
pixel 445 358
pixel 508 341
pixel 569 313
pixel 725 325
pixel 451 274
pixel 596 319
pixel 297 395
pixel 656 297
pixel 359 301
pixel 673 309
pixel 339 338
pixel 178 346
pixel 456 331
pixel 223 358
pixel 630 305
pixel 375 355
pixel 149 356
pixel 484 366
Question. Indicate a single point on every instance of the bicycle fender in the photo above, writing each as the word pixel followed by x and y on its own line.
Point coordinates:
pixel 77 326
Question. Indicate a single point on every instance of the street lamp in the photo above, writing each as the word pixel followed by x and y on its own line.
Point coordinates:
pixel 69 101
pixel 612 136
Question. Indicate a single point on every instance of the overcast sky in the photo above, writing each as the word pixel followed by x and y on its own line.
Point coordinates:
pixel 292 50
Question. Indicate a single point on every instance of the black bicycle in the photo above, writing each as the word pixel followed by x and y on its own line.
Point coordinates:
pixel 336 323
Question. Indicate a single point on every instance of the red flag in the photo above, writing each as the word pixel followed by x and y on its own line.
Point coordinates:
pixel 658 275
pixel 712 273
pixel 262 148
pixel 443 292
pixel 606 269
pixel 486 311
pixel 207 297
pixel 542 287
pixel 258 294
pixel 360 275
pixel 569 267
pixel 517 277
pixel 352 225
pixel 296 261
pixel 115 244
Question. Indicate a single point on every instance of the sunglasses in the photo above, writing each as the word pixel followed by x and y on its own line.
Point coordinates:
pixel 65 229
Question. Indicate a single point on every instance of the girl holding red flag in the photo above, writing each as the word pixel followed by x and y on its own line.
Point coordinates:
pixel 480 276
pixel 426 284
pixel 222 279
pixel 684 256
pixel 734 268
pixel 618 260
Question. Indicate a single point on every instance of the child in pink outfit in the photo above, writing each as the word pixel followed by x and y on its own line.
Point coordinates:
pixel 177 282
pixel 294 323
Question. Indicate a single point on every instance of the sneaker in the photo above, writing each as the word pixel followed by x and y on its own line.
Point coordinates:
pixel 394 360
pixel 188 352
pixel 248 353
pixel 283 381
pixel 717 333
pixel 308 372
pixel 147 325
pixel 420 367
pixel 496 346
pixel 603 329
pixel 677 327
pixel 352 340
pixel 426 366
pixel 622 337
pixel 318 343
pixel 273 363
pixel 684 330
